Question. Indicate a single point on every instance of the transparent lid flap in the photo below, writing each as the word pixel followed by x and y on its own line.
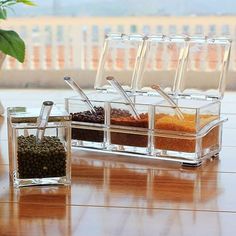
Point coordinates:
pixel 118 59
pixel 180 65
pixel 204 71
pixel 30 115
pixel 160 63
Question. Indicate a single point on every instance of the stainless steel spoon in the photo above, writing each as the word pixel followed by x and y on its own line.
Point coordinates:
pixel 122 92
pixel 43 120
pixel 77 89
pixel 169 100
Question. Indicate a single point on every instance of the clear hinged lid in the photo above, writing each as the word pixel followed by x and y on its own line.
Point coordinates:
pixel 203 73
pixel 182 66
pixel 162 56
pixel 30 115
pixel 185 66
pixel 119 58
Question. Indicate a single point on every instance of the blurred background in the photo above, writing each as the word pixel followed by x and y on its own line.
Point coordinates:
pixel 128 8
pixel 66 37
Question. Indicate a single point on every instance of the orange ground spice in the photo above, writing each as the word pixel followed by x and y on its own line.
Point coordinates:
pixel 188 125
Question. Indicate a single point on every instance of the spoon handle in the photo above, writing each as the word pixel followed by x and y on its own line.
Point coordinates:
pixel 169 100
pixel 121 91
pixel 77 89
pixel 43 120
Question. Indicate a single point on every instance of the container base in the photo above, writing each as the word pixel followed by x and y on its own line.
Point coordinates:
pixel 128 149
pixel 185 159
pixel 17 183
pixel 87 144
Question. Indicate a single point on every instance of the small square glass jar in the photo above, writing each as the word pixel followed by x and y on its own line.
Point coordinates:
pixel 44 163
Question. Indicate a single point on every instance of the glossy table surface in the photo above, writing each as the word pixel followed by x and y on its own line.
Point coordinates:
pixel 117 195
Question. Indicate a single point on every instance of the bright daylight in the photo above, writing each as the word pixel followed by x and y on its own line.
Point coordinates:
pixel 117 117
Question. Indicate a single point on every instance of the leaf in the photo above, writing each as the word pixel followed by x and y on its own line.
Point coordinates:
pixel 8 3
pixel 26 2
pixel 3 13
pixel 11 44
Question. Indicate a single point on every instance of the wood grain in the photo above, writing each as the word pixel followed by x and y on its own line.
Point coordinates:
pixel 37 220
pixel 116 195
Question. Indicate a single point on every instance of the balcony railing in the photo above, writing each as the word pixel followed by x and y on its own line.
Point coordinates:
pixel 59 46
pixel 75 43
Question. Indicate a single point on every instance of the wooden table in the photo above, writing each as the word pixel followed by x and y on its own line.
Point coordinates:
pixel 112 195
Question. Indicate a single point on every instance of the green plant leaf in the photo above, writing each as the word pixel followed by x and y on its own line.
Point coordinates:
pixel 26 2
pixel 3 13
pixel 7 3
pixel 11 44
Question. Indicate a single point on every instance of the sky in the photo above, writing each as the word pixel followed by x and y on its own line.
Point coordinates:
pixel 127 8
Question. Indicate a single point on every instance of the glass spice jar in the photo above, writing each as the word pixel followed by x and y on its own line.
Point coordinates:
pixel 39 163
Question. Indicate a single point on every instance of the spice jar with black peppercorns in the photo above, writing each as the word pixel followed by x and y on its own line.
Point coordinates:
pixel 89 126
pixel 39 162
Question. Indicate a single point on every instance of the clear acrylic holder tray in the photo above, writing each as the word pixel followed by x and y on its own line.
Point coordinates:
pixel 186 69
pixel 158 134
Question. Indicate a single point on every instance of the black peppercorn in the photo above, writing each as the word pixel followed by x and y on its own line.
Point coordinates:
pixel 97 118
pixel 40 160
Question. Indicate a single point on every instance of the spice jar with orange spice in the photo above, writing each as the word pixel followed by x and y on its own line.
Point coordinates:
pixel 196 134
pixel 185 126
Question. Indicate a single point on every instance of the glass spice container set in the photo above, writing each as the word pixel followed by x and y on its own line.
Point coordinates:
pixel 174 87
pixel 186 127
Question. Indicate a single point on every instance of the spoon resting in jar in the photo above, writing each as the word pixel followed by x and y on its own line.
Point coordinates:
pixel 169 100
pixel 43 120
pixel 78 90
pixel 114 83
